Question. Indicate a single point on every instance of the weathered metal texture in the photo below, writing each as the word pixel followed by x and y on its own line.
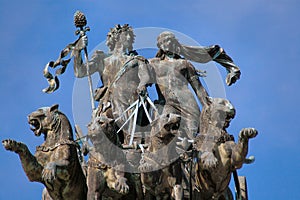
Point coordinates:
pixel 183 152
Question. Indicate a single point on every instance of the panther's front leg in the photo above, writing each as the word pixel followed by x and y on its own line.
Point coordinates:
pixel 30 165
pixel 116 181
pixel 240 150
pixel 247 133
pixel 14 146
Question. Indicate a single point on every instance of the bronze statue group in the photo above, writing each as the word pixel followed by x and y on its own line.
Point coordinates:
pixel 136 147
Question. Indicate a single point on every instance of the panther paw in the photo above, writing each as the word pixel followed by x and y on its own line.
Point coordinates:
pixel 120 185
pixel 208 160
pixel 248 133
pixel 12 145
pixel 49 172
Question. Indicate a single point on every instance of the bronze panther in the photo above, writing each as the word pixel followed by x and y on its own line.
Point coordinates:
pixel 218 154
pixel 55 163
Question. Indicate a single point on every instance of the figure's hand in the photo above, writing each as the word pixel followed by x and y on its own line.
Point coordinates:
pixel 81 43
pixel 141 90
pixel 12 145
pixel 184 143
pixel 173 122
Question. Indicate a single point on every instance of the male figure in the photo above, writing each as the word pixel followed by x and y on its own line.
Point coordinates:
pixel 124 75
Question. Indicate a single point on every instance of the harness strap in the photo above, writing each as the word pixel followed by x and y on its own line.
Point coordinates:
pixel 60 143
pixel 95 163
pixel 217 139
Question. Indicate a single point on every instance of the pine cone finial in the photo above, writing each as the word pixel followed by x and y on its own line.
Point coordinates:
pixel 79 19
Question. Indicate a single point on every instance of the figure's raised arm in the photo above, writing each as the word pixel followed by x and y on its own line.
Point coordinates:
pixel 96 63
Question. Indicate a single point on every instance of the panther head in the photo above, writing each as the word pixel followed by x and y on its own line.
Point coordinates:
pixel 101 130
pixel 218 112
pixel 43 119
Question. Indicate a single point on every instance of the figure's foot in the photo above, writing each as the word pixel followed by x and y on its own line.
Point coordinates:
pixel 247 133
pixel 12 145
pixel 208 160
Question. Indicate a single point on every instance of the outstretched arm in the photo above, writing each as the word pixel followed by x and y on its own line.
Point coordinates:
pixel 96 63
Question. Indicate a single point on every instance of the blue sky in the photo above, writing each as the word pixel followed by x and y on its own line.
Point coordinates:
pixel 262 36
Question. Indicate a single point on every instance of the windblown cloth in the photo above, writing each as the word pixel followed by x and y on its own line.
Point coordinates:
pixel 53 81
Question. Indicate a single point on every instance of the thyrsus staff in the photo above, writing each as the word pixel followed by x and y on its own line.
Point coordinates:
pixel 53 81
pixel 124 76
pixel 80 22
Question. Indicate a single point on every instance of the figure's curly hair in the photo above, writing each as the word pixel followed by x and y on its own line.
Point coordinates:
pixel 113 35
pixel 165 36
pixel 162 38
pixel 193 53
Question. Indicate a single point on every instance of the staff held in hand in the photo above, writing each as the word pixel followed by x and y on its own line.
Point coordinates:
pixel 80 22
pixel 53 81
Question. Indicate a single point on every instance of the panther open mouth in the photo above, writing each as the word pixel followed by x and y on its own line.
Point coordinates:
pixel 35 126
